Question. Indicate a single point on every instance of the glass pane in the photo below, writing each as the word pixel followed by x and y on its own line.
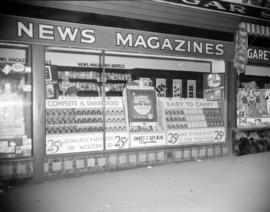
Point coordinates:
pixel 15 102
pixel 74 107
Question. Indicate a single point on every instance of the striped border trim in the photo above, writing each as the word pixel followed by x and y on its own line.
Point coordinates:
pixel 259 30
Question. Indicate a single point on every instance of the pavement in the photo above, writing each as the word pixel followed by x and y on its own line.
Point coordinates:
pixel 227 184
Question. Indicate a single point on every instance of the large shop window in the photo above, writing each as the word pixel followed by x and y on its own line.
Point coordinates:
pixel 15 101
pixel 134 101
pixel 253 102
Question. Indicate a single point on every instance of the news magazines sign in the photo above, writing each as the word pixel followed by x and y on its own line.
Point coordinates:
pixel 258 55
pixel 56 33
pixel 224 7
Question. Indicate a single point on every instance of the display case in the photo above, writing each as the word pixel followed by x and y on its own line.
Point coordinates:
pixel 193 121
pixel 86 80
pixel 76 124
pixel 15 102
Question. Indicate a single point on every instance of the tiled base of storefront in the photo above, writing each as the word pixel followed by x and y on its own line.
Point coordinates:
pixel 74 165
pixel 16 171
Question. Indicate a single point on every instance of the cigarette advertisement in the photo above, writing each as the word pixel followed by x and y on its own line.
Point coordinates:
pixel 142 104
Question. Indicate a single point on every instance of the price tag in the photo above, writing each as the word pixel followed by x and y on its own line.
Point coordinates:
pixel 199 135
pixel 70 143
pixel 117 140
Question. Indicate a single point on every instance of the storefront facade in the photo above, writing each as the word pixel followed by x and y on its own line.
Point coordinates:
pixel 92 98
pixel 252 132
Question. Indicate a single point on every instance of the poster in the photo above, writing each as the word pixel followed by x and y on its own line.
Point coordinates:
pixel 71 143
pixel 11 114
pixel 200 135
pixel 83 102
pixel 191 89
pixel 147 139
pixel 117 140
pixel 214 87
pixel 177 88
pixel 253 102
pixel 141 102
pixel 161 87
pixel 48 74
pixel 172 103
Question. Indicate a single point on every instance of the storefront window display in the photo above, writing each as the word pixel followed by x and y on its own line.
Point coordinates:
pixel 253 102
pixel 253 111
pixel 15 101
pixel 132 102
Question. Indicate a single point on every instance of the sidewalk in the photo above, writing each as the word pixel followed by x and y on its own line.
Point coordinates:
pixel 228 184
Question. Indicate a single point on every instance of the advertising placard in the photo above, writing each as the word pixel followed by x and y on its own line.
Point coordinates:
pixel 258 55
pixel 117 140
pixel 198 135
pixel 189 103
pixel 147 139
pixel 71 143
pixel 11 116
pixel 142 104
pixel 214 87
pixel 76 102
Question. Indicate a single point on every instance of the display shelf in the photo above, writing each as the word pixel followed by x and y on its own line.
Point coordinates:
pixel 115 81
pixel 193 118
pixel 239 129
pixel 82 80
pixel 115 119
pixel 73 120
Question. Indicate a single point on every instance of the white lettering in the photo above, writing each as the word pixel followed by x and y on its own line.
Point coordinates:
pixel 237 8
pixel 88 36
pixel 67 32
pixel 167 44
pixel 27 30
pixel 261 54
pixel 265 14
pixel 46 32
pixel 209 48
pixel 197 47
pixel 255 55
pixel 215 4
pixel 265 55
pixel 249 53
pixel 194 2
pixel 140 42
pixel 179 46
pixel 120 40
pixel 153 46
pixel 219 49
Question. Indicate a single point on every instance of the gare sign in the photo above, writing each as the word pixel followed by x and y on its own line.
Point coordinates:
pixel 258 55
pixel 225 7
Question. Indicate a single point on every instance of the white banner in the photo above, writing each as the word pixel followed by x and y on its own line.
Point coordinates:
pixel 147 139
pixel 198 135
pixel 71 143
pixel 189 103
pixel 117 140
pixel 78 102
pixel 253 122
